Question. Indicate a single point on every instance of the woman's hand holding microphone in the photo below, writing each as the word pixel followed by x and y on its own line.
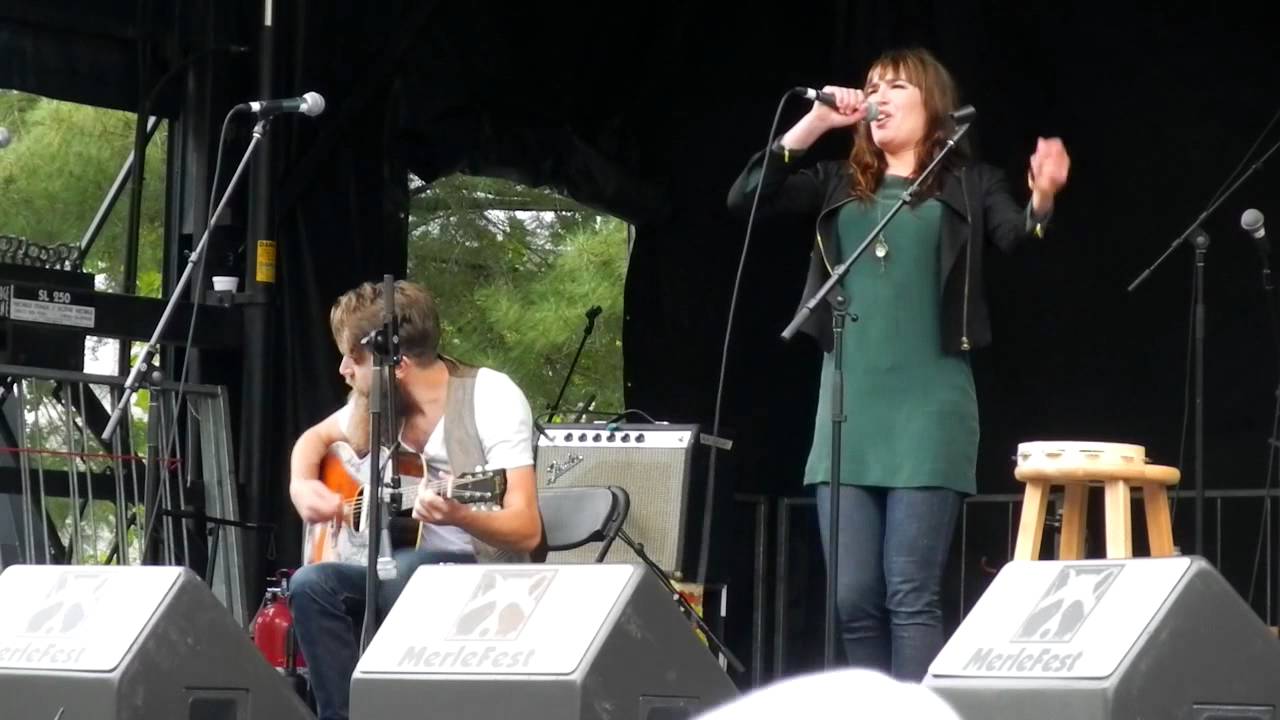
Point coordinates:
pixel 850 108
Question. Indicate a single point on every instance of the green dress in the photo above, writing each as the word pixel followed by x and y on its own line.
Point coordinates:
pixel 912 413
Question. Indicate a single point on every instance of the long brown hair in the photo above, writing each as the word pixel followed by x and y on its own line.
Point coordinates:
pixel 937 92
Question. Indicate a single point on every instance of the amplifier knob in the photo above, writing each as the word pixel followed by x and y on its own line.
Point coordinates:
pixel 639 437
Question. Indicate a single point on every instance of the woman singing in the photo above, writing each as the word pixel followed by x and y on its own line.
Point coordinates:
pixel 910 444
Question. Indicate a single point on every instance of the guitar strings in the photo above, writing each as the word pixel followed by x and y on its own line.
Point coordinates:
pixel 356 504
pixel 410 490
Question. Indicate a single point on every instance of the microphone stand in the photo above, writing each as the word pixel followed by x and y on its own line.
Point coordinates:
pixel 384 343
pixel 1267 284
pixel 215 533
pixel 716 644
pixel 592 314
pixel 1201 242
pixel 835 295
pixel 153 345
pixel 1273 443
pixel 585 408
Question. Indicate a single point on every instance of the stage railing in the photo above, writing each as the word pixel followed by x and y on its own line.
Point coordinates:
pixel 68 497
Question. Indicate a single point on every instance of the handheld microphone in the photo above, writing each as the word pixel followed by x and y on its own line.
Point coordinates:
pixel 963 115
pixel 873 110
pixel 311 104
pixel 1251 222
pixel 594 312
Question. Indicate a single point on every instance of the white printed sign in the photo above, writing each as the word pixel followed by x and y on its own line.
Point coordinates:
pixel 76 617
pixel 47 305
pixel 1060 619
pixel 496 619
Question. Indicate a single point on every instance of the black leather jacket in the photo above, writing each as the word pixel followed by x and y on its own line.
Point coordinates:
pixel 977 205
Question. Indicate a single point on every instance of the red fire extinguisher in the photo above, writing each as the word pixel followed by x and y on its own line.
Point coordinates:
pixel 272 627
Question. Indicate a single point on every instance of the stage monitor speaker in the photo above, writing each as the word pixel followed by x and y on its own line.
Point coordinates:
pixel 1140 638
pixel 553 642
pixel 653 463
pixel 129 642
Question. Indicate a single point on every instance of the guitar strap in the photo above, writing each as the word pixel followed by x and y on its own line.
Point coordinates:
pixel 463 445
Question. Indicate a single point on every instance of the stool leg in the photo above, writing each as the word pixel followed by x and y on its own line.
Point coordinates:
pixel 1075 509
pixel 1119 524
pixel 1031 525
pixel 1159 526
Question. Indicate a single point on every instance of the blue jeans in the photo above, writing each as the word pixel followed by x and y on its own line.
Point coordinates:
pixel 327 601
pixel 893 549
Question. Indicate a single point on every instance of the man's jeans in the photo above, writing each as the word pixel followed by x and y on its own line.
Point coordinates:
pixel 327 601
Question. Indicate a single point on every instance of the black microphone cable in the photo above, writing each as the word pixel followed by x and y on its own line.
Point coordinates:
pixel 200 266
pixel 704 545
pixel 135 203
pixel 170 443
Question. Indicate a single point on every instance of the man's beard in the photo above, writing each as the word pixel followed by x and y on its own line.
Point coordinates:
pixel 358 426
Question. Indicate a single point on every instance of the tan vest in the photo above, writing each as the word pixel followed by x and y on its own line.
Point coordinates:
pixel 463 446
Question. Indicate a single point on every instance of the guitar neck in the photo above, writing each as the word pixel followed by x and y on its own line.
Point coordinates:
pixel 455 489
pixel 458 490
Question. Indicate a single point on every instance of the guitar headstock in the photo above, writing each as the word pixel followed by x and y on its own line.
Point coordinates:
pixel 483 490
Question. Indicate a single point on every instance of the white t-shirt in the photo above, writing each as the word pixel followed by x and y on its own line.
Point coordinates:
pixel 505 425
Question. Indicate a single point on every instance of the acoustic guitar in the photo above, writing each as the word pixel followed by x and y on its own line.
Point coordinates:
pixel 346 539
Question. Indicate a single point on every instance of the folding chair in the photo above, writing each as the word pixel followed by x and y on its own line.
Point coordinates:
pixel 575 516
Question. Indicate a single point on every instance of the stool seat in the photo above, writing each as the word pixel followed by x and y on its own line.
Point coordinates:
pixel 1078 465
pixel 1062 475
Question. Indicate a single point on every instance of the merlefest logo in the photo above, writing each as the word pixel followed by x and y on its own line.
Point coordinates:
pixel 498 610
pixel 54 633
pixel 1059 615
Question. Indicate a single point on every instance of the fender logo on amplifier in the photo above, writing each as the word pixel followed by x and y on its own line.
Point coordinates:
pixel 557 470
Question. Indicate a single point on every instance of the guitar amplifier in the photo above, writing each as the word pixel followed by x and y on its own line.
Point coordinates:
pixel 653 463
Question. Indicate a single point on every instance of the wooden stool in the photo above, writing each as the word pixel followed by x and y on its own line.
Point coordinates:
pixel 1076 465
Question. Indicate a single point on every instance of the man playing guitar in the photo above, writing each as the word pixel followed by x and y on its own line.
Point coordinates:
pixel 454 418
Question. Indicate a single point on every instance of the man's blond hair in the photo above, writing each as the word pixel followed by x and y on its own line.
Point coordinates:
pixel 358 312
